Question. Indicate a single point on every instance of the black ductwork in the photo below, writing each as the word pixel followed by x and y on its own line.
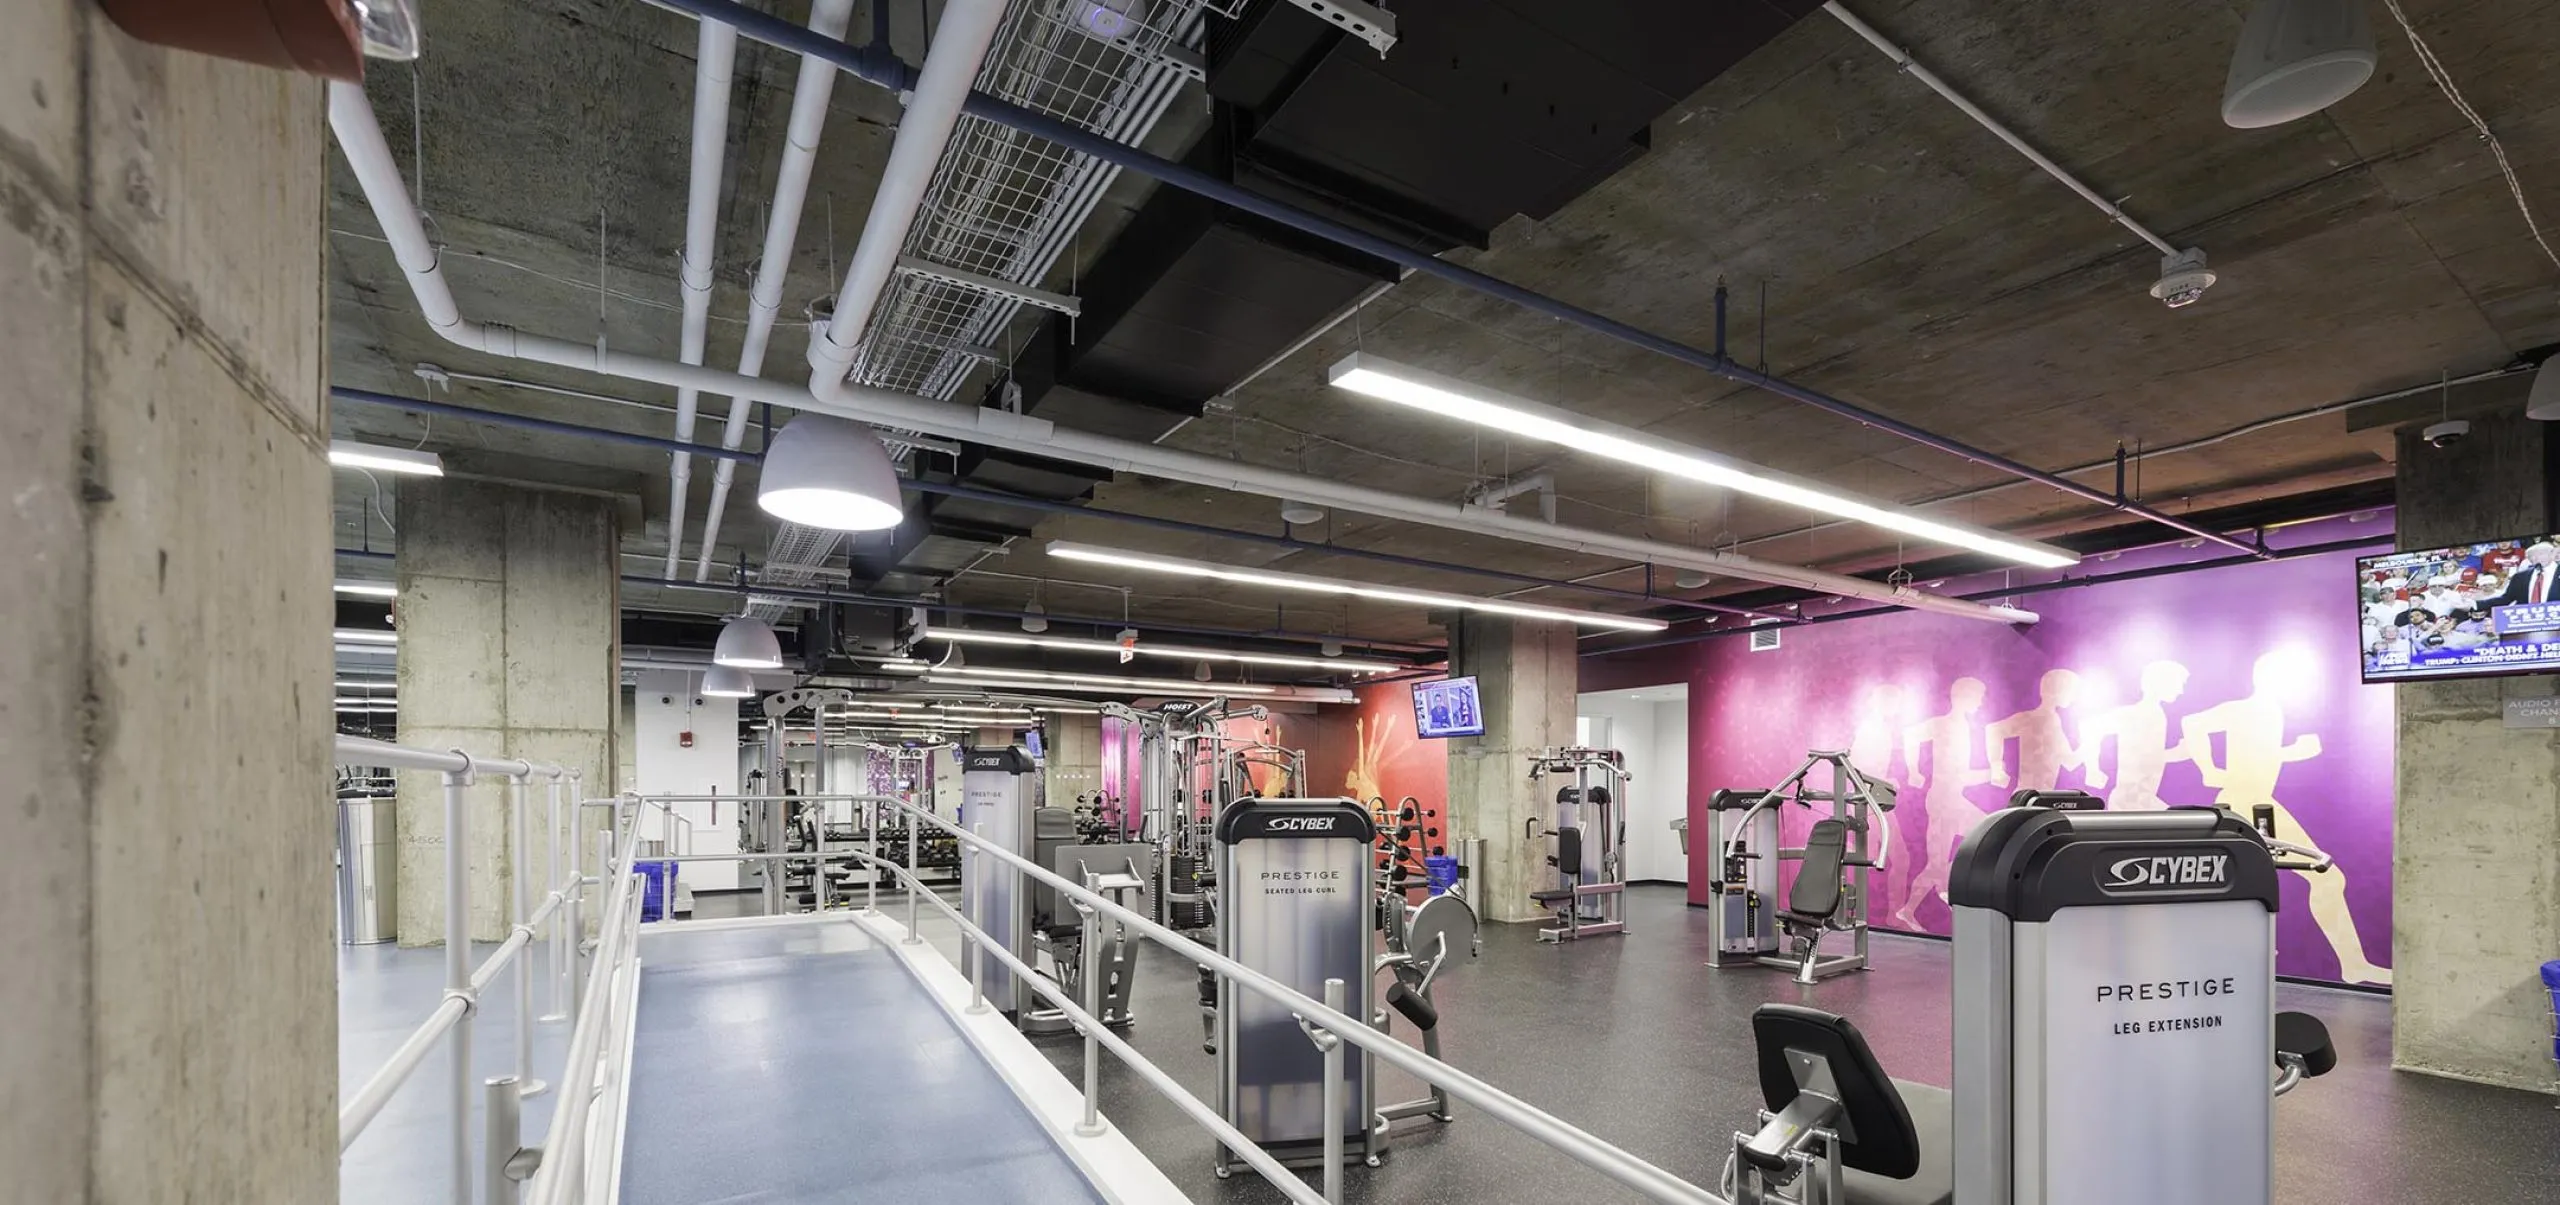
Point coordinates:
pixel 1483 110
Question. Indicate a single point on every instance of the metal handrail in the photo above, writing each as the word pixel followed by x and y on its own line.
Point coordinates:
pixel 1164 1084
pixel 464 984
pixel 1574 1142
pixel 565 1147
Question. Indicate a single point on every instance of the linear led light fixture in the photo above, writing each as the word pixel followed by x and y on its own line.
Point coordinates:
pixel 1327 585
pixel 352 636
pixel 1405 385
pixel 1348 665
pixel 366 684
pixel 380 459
pixel 988 679
pixel 1100 681
pixel 367 589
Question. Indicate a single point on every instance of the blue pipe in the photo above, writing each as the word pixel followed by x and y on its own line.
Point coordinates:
pixel 972 493
pixel 2066 583
pixel 368 397
pixel 887 72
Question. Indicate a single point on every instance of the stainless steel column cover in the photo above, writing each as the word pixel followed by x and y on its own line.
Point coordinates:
pixel 2114 1009
pixel 368 899
pixel 1294 903
pixel 995 792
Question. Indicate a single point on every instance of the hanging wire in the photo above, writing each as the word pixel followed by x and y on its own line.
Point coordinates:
pixel 2497 150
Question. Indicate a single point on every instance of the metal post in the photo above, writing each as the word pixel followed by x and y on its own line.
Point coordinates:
pixel 871 843
pixel 977 923
pixel 1333 1100
pixel 573 918
pixel 1091 1125
pixel 915 886
pixel 522 866
pixel 457 966
pixel 500 1139
pixel 559 972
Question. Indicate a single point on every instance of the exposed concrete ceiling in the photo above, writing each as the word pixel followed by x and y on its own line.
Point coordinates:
pixel 1911 263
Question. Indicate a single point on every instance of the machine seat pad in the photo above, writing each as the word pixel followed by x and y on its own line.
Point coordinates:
pixel 1933 1119
pixel 1815 895
pixel 1556 896
pixel 1063 934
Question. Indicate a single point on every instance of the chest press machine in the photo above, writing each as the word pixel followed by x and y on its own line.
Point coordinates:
pixel 2115 1039
pixel 1831 889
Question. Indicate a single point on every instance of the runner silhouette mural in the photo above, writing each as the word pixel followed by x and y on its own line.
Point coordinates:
pixel 2126 690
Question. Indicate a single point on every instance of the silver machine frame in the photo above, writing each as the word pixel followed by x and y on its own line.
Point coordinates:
pixel 1184 784
pixel 2113 965
pixel 1295 897
pixel 1598 904
pixel 1421 939
pixel 1742 879
pixel 997 789
pixel 2108 965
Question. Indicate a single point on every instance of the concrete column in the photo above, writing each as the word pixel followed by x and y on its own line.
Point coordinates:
pixel 2476 841
pixel 1529 675
pixel 509 645
pixel 1072 761
pixel 164 679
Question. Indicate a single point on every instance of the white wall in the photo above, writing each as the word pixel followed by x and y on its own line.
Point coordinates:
pixel 664 706
pixel 1651 726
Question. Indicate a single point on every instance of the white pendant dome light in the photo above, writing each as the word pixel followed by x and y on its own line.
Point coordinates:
pixel 1299 514
pixel 2543 404
pixel 728 682
pixel 829 472
pixel 748 643
pixel 2295 58
pixel 1035 618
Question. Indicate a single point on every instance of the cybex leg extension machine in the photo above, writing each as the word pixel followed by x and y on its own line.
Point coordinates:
pixel 2115 1039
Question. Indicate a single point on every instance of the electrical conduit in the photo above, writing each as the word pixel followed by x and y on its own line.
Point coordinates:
pixel 715 61
pixel 781 233
pixel 941 89
pixel 889 74
pixel 360 137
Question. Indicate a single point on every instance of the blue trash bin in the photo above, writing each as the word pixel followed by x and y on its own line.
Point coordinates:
pixel 1441 871
pixel 2551 980
pixel 657 887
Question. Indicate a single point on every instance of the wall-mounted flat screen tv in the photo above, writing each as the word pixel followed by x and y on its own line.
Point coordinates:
pixel 1448 707
pixel 2466 611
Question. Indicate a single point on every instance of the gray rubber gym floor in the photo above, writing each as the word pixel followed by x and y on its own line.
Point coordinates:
pixel 1635 1040
pixel 809 1066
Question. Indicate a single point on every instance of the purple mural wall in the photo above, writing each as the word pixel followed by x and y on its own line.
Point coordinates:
pixel 2234 686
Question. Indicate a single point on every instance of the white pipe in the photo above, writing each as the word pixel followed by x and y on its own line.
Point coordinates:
pixel 809 99
pixel 715 57
pixel 950 70
pixel 361 138
pixel 1902 59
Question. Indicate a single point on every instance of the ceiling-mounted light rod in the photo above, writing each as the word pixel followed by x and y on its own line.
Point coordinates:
pixel 1448 397
pixel 1327 585
pixel 1348 665
pixel 1030 680
pixel 367 589
pixel 349 455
